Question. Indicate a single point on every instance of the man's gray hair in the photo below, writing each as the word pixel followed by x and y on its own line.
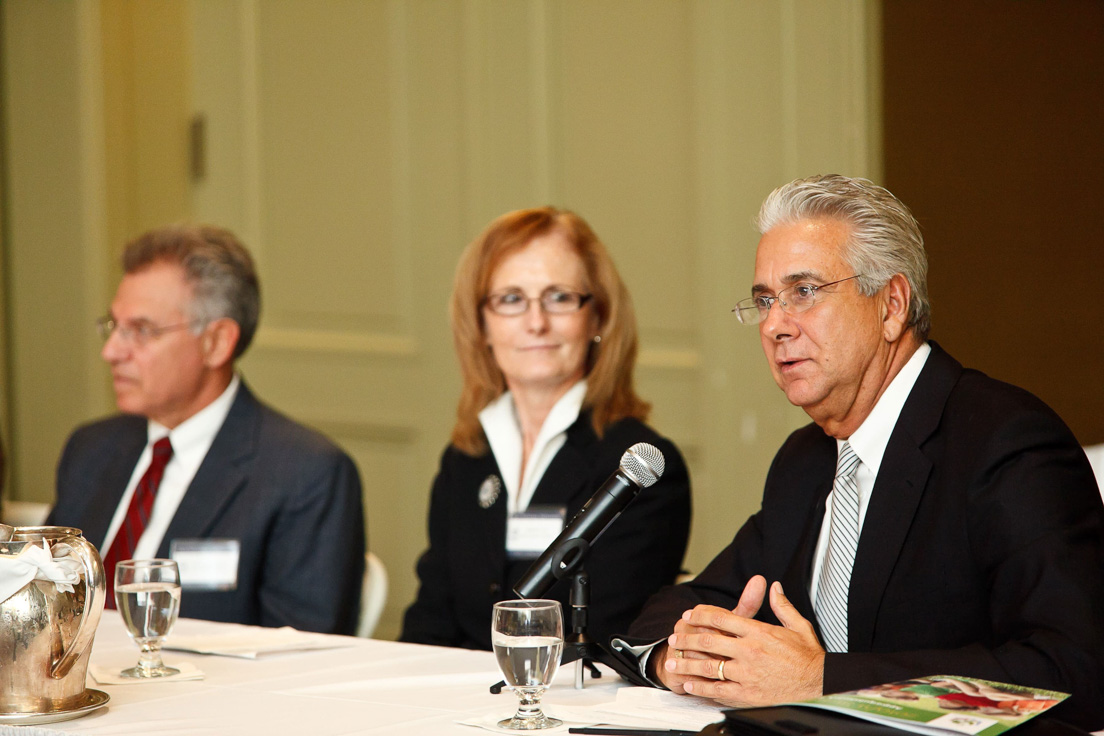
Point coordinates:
pixel 216 265
pixel 885 238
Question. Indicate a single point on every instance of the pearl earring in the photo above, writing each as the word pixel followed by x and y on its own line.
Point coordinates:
pixel 597 338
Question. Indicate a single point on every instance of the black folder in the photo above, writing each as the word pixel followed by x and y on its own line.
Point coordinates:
pixel 787 720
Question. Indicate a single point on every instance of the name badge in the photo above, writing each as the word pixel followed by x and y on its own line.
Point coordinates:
pixel 206 564
pixel 529 532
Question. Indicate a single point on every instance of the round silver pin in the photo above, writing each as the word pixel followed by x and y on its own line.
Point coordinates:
pixel 488 492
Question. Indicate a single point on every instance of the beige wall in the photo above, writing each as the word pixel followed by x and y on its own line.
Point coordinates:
pixel 358 146
pixel 53 217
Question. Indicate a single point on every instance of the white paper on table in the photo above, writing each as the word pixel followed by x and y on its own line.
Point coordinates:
pixel 633 707
pixel 111 676
pixel 490 721
pixel 683 712
pixel 399 682
pixel 255 642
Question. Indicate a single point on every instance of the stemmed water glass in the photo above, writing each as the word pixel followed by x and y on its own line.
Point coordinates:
pixel 147 593
pixel 527 637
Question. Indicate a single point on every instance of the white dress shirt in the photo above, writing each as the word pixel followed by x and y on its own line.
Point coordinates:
pixel 503 429
pixel 869 443
pixel 190 442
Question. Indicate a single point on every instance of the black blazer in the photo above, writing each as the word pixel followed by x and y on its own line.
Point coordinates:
pixel 465 570
pixel 287 493
pixel 982 551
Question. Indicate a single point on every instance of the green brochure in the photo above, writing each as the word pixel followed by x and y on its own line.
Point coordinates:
pixel 943 704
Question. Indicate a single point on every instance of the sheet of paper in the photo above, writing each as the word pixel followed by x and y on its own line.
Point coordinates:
pixel 664 706
pixel 255 642
pixel 633 707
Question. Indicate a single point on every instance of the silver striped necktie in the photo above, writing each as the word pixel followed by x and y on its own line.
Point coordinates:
pixel 843 540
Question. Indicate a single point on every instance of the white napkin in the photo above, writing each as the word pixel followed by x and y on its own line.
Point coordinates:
pixel 34 562
pixel 111 676
pixel 256 642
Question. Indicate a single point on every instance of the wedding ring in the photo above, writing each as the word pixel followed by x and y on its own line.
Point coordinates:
pixel 678 654
pixel 720 670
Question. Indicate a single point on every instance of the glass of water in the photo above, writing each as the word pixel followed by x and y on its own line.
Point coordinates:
pixel 147 593
pixel 527 637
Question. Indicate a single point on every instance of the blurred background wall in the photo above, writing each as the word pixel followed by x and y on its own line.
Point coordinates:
pixel 994 136
pixel 357 146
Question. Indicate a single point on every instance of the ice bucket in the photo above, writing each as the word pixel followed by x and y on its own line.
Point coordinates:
pixel 46 632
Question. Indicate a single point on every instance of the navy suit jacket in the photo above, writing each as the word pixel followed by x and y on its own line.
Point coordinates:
pixel 982 551
pixel 290 496
pixel 465 571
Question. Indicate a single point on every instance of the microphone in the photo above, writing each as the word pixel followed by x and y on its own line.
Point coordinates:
pixel 641 466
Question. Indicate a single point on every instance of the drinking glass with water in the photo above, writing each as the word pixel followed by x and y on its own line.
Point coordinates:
pixel 147 593
pixel 527 637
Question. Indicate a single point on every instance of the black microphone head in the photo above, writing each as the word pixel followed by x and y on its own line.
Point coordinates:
pixel 643 463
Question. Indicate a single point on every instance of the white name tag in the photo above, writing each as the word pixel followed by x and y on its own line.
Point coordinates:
pixel 206 564
pixel 530 532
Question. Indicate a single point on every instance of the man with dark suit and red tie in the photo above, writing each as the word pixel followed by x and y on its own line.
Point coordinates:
pixel 263 515
pixel 931 520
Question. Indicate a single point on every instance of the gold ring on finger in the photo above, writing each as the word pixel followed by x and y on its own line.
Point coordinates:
pixel 678 654
pixel 720 670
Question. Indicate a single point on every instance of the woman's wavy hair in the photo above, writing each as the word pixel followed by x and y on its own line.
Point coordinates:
pixel 610 394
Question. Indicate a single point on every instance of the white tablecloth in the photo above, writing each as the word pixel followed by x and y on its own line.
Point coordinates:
pixel 368 687
pixel 371 687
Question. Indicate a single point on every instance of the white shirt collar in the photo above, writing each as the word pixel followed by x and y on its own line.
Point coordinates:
pixel 200 428
pixel 503 430
pixel 191 440
pixel 869 441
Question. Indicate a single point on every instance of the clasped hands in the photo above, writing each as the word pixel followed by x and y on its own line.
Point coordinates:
pixel 738 661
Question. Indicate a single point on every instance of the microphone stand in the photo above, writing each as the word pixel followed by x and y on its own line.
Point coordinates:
pixel 641 466
pixel 578 646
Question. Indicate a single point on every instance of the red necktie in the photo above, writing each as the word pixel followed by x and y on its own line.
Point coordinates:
pixel 137 515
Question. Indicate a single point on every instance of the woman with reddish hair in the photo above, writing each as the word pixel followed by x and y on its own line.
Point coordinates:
pixel 545 334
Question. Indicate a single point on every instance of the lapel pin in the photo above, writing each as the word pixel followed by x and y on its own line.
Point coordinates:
pixel 488 492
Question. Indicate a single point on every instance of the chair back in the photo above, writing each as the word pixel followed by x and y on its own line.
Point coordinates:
pixel 1096 460
pixel 24 513
pixel 373 595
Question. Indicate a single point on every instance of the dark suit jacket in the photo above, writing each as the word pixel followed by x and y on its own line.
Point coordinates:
pixel 982 551
pixel 465 571
pixel 287 493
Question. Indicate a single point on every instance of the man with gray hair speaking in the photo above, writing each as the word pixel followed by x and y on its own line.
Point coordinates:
pixel 263 515
pixel 931 520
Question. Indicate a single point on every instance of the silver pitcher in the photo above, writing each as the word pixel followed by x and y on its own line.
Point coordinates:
pixel 46 634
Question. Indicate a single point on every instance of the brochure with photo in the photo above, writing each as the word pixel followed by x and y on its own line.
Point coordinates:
pixel 943 704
